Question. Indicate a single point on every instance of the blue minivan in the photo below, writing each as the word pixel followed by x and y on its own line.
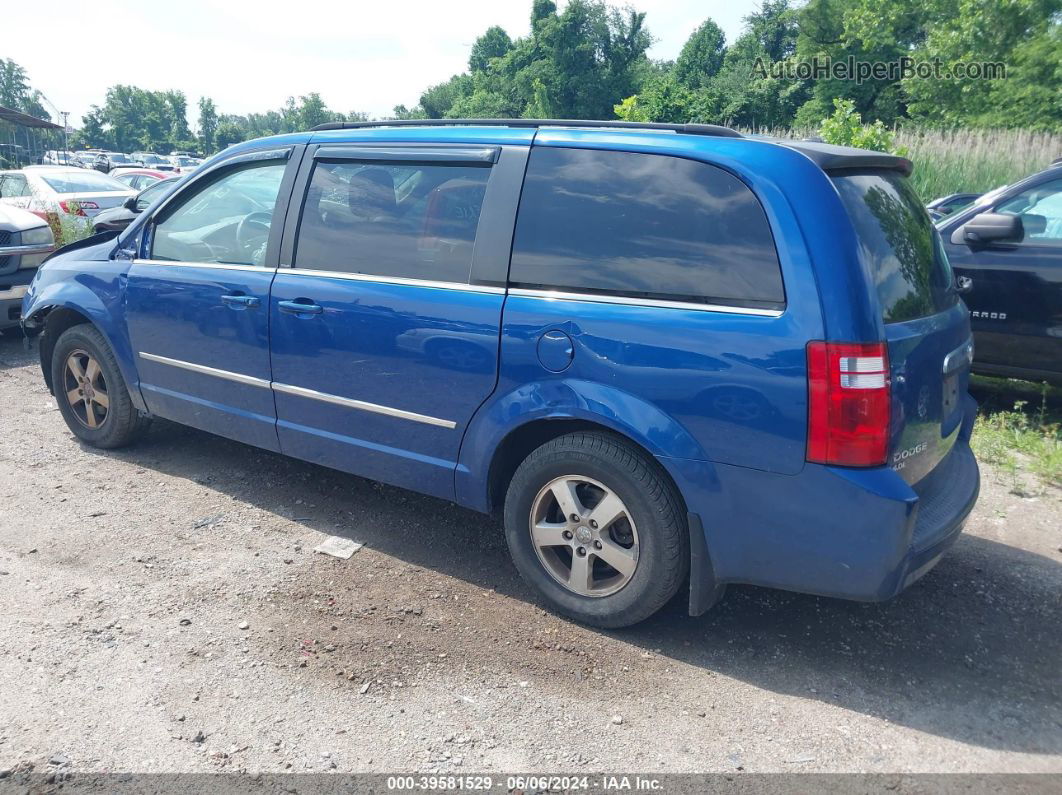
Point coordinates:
pixel 667 356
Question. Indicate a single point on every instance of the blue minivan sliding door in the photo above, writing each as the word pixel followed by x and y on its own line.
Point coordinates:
pixel 384 330
pixel 197 303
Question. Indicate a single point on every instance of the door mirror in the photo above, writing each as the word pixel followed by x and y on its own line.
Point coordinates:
pixel 988 228
pixel 130 204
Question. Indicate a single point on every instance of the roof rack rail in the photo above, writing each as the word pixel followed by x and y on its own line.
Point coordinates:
pixel 691 129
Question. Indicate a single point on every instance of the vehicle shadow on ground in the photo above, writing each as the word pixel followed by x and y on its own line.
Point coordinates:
pixel 970 653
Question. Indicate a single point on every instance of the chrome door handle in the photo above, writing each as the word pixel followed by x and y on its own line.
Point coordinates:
pixel 239 301
pixel 299 308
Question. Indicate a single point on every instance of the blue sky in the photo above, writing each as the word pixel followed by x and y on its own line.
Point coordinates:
pixel 251 56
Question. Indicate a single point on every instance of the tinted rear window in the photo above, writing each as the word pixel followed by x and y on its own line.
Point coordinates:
pixel 899 243
pixel 642 225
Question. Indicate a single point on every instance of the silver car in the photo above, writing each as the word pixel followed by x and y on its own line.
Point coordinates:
pixel 55 189
pixel 183 164
pixel 25 240
pixel 59 157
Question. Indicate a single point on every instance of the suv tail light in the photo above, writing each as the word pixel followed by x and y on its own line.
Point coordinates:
pixel 848 403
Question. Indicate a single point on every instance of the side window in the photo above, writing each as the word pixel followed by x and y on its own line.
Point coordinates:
pixel 416 222
pixel 640 225
pixel 14 185
pixel 1040 209
pixel 227 221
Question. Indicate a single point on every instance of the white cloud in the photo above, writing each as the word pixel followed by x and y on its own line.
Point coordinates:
pixel 250 55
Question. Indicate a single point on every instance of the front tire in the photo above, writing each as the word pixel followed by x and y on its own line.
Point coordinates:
pixel 90 391
pixel 596 527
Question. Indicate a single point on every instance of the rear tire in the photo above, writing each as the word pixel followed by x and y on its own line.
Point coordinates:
pixel 90 391
pixel 583 502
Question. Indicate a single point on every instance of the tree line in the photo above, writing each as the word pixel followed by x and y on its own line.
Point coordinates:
pixel 590 61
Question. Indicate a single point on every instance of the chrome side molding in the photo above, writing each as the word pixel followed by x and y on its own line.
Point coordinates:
pixel 290 389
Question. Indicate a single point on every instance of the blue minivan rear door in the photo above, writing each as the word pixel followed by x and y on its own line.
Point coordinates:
pixel 197 303
pixel 927 327
pixel 384 329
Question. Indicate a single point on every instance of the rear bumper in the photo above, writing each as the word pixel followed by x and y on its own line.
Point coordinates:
pixel 847 533
pixel 943 508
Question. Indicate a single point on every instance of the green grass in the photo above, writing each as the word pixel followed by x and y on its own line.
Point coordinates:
pixel 1019 432
pixel 964 160
pixel 957 161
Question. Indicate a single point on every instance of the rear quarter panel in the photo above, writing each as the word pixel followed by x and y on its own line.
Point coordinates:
pixel 688 384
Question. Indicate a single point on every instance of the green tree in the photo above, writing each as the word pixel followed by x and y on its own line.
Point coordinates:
pixel 662 99
pixel 1030 97
pixel 180 134
pixel 827 33
pixel 313 111
pixel 1021 33
pixel 701 56
pixel 495 43
pixel 208 124
pixel 229 132
pixel 93 132
pixel 16 92
pixel 439 99
pixel 743 92
pixel 575 64
pixel 402 112
pixel 845 128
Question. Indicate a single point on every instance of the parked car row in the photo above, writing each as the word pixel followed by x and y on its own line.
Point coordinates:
pixel 106 162
pixel 49 191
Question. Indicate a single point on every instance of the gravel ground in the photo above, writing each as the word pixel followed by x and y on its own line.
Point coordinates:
pixel 163 610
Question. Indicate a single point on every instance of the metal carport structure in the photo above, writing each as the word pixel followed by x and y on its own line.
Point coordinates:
pixel 29 150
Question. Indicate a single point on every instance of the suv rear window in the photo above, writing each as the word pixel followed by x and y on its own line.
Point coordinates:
pixel 899 243
pixel 641 225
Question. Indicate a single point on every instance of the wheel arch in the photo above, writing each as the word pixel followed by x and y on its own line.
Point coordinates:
pixel 534 413
pixel 56 316
pixel 55 320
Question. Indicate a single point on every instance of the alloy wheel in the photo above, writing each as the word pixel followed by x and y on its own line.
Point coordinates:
pixel 584 535
pixel 86 389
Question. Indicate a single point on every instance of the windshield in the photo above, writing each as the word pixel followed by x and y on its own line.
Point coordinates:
pixel 151 159
pixel 82 182
pixel 118 157
pixel 899 243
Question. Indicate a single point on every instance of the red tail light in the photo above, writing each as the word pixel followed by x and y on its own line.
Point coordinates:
pixel 848 403
pixel 77 208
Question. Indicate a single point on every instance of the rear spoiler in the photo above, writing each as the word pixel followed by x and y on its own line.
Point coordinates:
pixel 832 158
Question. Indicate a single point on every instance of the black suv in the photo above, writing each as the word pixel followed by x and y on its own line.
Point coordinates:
pixel 1006 250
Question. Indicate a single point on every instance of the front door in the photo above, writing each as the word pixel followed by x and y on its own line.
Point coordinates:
pixel 384 341
pixel 1015 298
pixel 198 302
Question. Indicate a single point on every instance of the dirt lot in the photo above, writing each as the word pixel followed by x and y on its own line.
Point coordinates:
pixel 163 610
